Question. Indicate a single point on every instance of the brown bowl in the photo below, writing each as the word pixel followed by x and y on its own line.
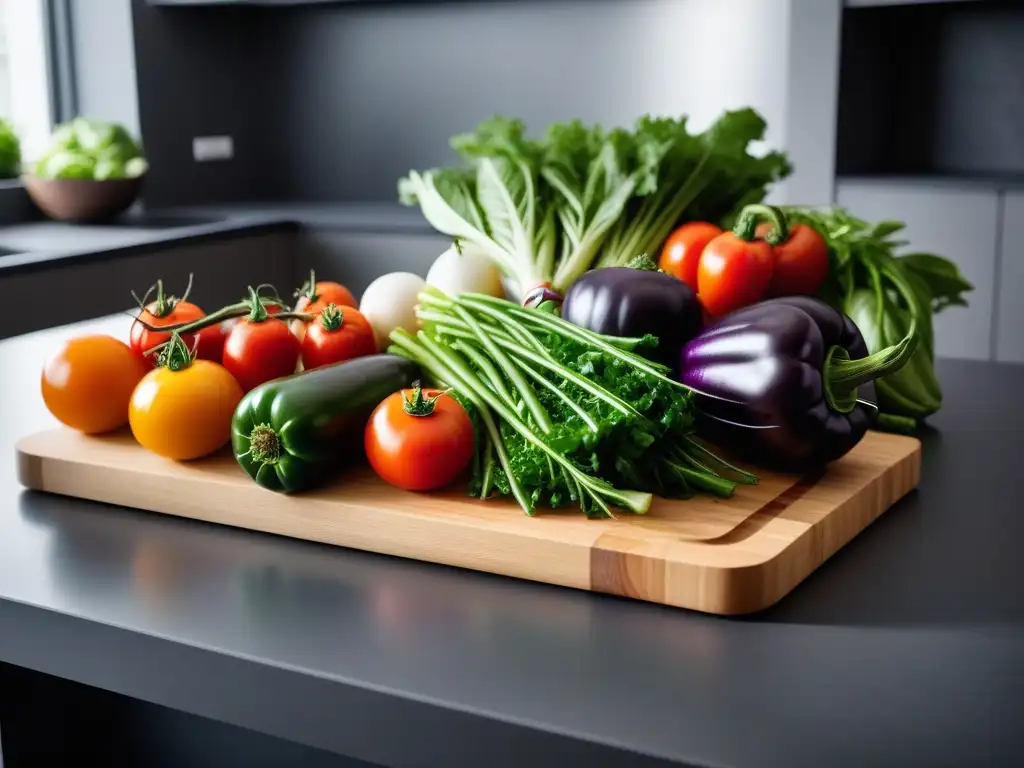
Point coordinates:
pixel 82 200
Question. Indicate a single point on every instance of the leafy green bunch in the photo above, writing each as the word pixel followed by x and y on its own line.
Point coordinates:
pixel 883 291
pixel 546 210
pixel 564 415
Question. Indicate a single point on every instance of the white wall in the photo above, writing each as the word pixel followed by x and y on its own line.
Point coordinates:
pixel 104 60
pixel 812 100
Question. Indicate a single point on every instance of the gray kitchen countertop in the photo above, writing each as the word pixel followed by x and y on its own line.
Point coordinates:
pixel 906 648
pixel 41 244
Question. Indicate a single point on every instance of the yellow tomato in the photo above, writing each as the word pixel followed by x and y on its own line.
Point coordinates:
pixel 88 382
pixel 185 414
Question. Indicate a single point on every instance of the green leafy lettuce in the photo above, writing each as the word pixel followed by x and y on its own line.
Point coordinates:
pixel 87 148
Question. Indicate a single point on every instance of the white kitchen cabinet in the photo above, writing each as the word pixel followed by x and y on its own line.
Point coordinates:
pixel 1010 304
pixel 960 222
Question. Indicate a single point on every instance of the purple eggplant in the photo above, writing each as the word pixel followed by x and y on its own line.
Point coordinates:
pixel 633 302
pixel 786 383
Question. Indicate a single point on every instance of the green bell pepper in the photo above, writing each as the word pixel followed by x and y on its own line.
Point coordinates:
pixel 287 434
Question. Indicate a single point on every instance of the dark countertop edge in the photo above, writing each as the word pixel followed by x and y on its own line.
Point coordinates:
pixel 238 220
pixel 368 218
pixel 246 692
pixel 41 260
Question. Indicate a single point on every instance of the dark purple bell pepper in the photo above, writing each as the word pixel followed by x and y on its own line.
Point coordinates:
pixel 785 383
pixel 632 302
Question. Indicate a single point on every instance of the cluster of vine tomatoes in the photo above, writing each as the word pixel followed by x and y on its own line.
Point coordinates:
pixel 757 260
pixel 183 372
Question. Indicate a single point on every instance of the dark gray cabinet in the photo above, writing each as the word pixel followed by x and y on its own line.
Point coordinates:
pixel 357 258
pixel 958 222
pixel 1010 303
pixel 75 290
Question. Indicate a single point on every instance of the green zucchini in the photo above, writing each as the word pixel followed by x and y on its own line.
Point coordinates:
pixel 289 433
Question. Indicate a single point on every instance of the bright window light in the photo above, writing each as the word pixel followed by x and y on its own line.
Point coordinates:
pixel 24 87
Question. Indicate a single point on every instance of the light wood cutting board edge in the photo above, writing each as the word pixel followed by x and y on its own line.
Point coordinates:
pixel 744 571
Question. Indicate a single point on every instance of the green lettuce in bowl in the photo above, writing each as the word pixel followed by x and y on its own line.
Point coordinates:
pixel 10 151
pixel 87 148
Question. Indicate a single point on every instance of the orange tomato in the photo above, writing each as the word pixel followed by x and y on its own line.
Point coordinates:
pixel 326 293
pixel 682 251
pixel 313 297
pixel 88 383
pixel 187 413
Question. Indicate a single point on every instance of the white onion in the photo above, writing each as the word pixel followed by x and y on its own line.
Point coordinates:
pixel 389 302
pixel 467 272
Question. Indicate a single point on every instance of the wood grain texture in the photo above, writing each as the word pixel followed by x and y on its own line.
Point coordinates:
pixel 732 556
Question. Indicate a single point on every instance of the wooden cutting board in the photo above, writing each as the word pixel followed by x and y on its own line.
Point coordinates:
pixel 732 556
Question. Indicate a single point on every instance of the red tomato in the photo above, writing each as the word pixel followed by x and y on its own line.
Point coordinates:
pixel 211 340
pixel 255 352
pixel 733 273
pixel 337 334
pixel 419 440
pixel 801 262
pixel 681 253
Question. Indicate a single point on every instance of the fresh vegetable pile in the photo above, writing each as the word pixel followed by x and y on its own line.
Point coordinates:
pixel 776 335
pixel 86 148
pixel 547 210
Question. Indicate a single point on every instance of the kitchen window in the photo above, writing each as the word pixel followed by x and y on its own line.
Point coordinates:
pixel 24 73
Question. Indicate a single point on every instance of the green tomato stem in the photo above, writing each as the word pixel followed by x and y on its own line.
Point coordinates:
pixel 225 313
pixel 258 312
pixel 308 289
pixel 419 404
pixel 752 215
pixel 175 355
pixel 332 318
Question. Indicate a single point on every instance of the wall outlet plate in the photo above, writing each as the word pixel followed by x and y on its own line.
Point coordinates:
pixel 209 148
